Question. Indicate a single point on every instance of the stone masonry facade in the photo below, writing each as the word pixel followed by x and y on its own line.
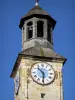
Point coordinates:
pixel 30 90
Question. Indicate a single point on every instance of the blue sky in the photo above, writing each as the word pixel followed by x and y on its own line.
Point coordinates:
pixel 63 11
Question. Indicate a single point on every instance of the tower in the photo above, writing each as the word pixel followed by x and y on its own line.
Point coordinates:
pixel 37 71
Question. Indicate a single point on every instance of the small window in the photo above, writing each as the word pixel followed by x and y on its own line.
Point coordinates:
pixel 30 29
pixel 40 28
pixel 42 95
pixel 29 24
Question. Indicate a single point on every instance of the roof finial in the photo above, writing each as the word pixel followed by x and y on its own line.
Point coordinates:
pixel 37 3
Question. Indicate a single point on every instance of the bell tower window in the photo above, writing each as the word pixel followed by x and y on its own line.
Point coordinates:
pixel 30 29
pixel 40 28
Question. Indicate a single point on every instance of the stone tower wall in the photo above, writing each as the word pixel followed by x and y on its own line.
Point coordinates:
pixel 30 90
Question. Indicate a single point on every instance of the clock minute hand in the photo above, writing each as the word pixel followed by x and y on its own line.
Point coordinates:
pixel 40 70
pixel 42 74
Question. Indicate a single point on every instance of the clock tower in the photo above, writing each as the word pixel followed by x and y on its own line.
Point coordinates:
pixel 37 71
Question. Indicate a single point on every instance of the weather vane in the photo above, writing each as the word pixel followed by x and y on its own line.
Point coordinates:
pixel 37 2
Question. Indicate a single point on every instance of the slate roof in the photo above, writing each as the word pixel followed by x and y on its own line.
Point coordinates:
pixel 41 51
pixel 36 11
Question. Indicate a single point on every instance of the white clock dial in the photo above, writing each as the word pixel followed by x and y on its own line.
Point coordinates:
pixel 17 79
pixel 42 73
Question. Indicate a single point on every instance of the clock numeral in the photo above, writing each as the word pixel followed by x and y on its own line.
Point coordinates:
pixel 42 65
pixel 49 69
pixel 38 79
pixel 38 66
pixel 50 73
pixel 35 76
pixel 50 77
pixel 46 66
pixel 43 80
pixel 47 79
pixel 34 72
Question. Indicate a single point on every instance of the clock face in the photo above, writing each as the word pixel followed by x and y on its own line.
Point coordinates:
pixel 42 73
pixel 17 83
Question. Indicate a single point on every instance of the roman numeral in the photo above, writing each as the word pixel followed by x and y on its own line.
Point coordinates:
pixel 47 79
pixel 46 66
pixel 50 73
pixel 49 69
pixel 38 65
pixel 38 79
pixel 34 72
pixel 35 76
pixel 42 65
pixel 50 77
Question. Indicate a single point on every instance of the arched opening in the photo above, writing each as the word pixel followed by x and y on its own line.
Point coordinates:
pixel 30 29
pixel 40 28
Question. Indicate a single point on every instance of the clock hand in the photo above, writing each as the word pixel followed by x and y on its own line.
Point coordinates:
pixel 40 70
pixel 42 74
pixel 43 77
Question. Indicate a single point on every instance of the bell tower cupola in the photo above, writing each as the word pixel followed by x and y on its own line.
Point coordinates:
pixel 37 28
